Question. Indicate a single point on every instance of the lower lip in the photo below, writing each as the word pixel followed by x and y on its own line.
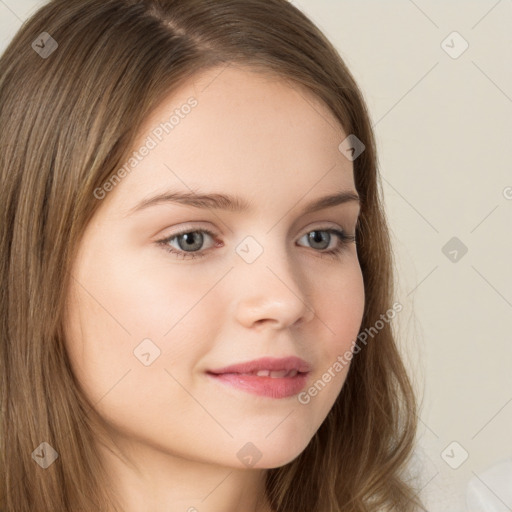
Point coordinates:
pixel 279 387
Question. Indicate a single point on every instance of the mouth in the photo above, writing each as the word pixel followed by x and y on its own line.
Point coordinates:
pixel 276 384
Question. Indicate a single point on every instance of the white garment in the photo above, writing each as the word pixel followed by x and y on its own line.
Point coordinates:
pixel 491 490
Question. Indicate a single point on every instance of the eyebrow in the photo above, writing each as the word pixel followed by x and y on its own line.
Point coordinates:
pixel 226 202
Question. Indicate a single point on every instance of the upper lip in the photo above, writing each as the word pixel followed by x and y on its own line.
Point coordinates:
pixel 267 363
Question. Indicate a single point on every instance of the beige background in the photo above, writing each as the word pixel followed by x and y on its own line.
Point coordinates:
pixel 444 132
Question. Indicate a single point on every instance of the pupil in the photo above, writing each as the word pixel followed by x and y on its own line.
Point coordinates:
pixel 190 240
pixel 317 234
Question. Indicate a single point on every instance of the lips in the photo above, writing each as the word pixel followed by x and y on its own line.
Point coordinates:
pixel 269 377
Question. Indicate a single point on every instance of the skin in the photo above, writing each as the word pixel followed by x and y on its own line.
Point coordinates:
pixel 175 433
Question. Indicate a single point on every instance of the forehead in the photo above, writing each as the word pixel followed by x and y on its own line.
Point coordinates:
pixel 241 130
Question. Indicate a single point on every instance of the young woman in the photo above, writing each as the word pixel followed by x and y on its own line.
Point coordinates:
pixel 196 271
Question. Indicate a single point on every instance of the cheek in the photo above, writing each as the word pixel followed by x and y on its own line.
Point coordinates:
pixel 341 303
pixel 116 305
pixel 337 296
pixel 109 330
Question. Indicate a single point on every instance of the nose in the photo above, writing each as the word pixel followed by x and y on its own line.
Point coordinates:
pixel 272 290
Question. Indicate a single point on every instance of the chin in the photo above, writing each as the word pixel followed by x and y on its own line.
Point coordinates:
pixel 281 454
pixel 277 461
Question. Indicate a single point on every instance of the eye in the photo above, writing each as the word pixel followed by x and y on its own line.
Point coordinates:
pixel 343 239
pixel 190 242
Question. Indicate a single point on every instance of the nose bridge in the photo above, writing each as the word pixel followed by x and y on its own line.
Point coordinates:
pixel 271 286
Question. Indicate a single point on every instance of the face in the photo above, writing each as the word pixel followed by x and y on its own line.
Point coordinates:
pixel 167 292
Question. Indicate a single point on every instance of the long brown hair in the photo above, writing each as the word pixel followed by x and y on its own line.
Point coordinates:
pixel 69 116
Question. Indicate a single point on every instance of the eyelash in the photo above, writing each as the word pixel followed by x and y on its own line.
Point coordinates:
pixel 343 237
